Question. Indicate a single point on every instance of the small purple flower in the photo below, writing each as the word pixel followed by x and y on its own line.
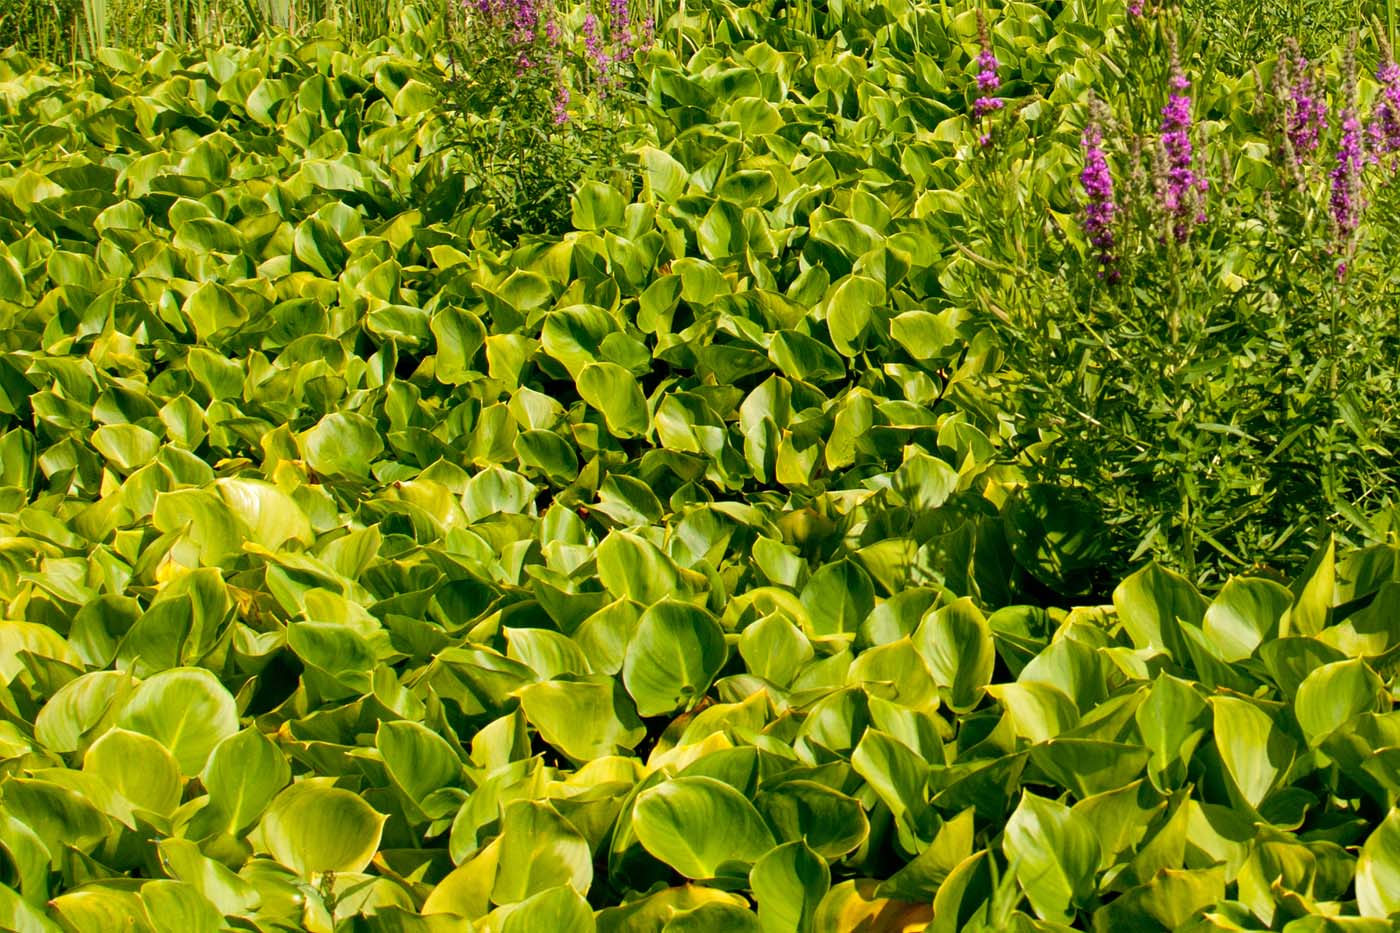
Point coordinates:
pixel 1099 206
pixel 1135 7
pixel 985 105
pixel 1184 190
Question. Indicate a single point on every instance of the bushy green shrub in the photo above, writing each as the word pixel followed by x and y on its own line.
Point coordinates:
pixel 536 91
pixel 1200 328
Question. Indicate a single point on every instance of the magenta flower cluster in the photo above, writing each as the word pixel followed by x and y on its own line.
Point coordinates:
pixel 1182 197
pixel 1099 205
pixel 987 82
pixel 1306 111
pixel 1383 130
pixel 1346 174
pixel 531 30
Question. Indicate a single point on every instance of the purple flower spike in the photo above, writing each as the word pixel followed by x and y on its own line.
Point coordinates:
pixel 987 64
pixel 1383 129
pixel 1099 207
pixel 561 106
pixel 1135 8
pixel 1346 201
pixel 987 78
pixel 1346 176
pixel 1184 190
pixel 1305 110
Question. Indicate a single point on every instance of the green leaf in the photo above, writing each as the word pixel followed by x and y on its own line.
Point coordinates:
pixel 838 597
pixel 923 335
pixel 584 719
pixel 271 516
pixel 654 911
pixel 341 444
pixel 1054 855
pixel 11 277
pixel 632 567
pixel 126 446
pixel 19 915
pixel 60 817
pixel 539 850
pixel 548 653
pixel 545 452
pixel 1255 750
pixel 614 392
pixel 318 245
pixel 924 875
pixel 559 908
pixel 1172 720
pixel 854 905
pixel 713 918
pixel 774 648
pixel 1378 870
pixel 701 827
pixel 573 336
pixel 137 767
pixel 956 642
pixel 789 882
pixel 1088 767
pixel 82 708
pixel 206 525
pixel 213 310
pixel 1171 899
pixel 665 177
pixel 177 907
pixel 895 672
pixel 1150 603
pixel 245 772
pixel 898 777
pixel 673 657
pixel 1334 694
pixel 99 910
pixel 701 283
pixel 1314 590
pixel 832 823
pixel 228 892
pixel 459 335
pixel 418 760
pixel 850 309
pixel 597 206
pixel 1244 614
pixel 206 235
pixel 185 709
pixel 313 828
pixel 805 359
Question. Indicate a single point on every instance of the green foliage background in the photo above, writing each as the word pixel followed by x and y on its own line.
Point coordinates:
pixel 364 569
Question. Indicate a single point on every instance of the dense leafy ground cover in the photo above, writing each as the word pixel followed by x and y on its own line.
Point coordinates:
pixel 367 571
